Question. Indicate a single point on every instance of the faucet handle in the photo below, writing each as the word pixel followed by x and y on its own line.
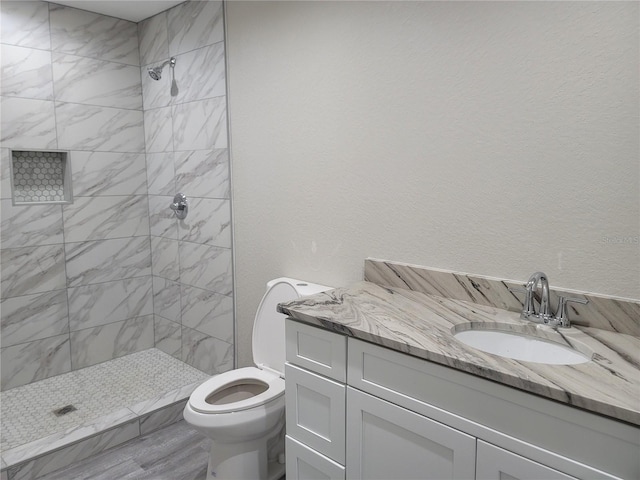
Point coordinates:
pixel 528 309
pixel 561 317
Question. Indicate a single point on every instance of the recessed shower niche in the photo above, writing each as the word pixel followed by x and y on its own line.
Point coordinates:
pixel 39 176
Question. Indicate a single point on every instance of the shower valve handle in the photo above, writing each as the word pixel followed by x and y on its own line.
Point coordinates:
pixel 180 205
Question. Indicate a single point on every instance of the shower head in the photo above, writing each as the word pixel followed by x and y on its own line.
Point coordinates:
pixel 156 72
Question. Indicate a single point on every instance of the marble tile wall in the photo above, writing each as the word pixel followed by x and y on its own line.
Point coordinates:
pixel 115 272
pixel 186 145
pixel 76 284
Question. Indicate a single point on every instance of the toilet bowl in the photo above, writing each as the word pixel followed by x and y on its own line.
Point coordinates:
pixel 242 410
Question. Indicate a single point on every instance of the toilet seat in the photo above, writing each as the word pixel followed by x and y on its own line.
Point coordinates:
pixel 250 375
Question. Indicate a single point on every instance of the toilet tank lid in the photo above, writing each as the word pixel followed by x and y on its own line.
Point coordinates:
pixel 268 339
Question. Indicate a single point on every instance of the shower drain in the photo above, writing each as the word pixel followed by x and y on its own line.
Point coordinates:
pixel 64 410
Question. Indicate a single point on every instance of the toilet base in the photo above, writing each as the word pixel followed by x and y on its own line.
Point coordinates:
pixel 242 461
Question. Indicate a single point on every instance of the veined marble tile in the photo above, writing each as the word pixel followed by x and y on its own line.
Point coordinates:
pixel 29 270
pixel 68 436
pixel 99 344
pixel 27 123
pixel 152 34
pixel 100 218
pixel 158 130
pixel 87 127
pixel 203 173
pixel 96 82
pixel 30 225
pixel 169 398
pixel 25 23
pixel 5 173
pixel 161 418
pixel 79 32
pixel 166 299
pixel 200 74
pixel 206 353
pixel 167 336
pixel 207 267
pixel 28 362
pixel 195 24
pixel 26 73
pixel 608 313
pixel 156 93
pixel 163 222
pixel 76 452
pixel 207 312
pixel 208 222
pixel 200 125
pixel 33 317
pixel 105 173
pixel 106 260
pixel 165 258
pixel 95 305
pixel 161 174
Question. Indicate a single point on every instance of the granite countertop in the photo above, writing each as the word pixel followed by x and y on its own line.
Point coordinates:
pixel 421 325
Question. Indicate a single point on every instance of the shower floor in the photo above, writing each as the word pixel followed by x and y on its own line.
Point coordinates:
pixel 124 391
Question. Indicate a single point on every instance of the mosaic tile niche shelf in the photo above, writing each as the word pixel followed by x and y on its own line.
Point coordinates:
pixel 40 177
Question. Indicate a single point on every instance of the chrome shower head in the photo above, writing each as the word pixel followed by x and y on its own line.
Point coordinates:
pixel 156 72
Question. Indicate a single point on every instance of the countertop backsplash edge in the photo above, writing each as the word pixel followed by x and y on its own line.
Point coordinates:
pixel 605 312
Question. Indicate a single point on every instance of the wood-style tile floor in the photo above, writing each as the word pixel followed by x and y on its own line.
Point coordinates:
pixel 176 452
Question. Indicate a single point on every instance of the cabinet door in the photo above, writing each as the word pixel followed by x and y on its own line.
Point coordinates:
pixel 494 463
pixel 386 441
pixel 315 411
pixel 306 464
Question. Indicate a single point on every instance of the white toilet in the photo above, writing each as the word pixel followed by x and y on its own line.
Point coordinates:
pixel 242 410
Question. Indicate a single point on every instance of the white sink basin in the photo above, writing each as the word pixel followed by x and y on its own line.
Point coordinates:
pixel 520 346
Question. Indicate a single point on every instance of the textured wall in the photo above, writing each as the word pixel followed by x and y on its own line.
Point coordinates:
pixel 489 138
pixel 186 144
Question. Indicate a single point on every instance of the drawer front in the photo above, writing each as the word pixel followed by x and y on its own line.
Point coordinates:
pixel 317 350
pixel 306 464
pixel 316 412
pixel 495 463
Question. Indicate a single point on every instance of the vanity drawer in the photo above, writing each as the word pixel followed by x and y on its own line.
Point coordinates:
pixel 317 350
pixel 315 411
pixel 304 463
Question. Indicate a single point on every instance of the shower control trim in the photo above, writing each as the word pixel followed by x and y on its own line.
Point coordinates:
pixel 180 206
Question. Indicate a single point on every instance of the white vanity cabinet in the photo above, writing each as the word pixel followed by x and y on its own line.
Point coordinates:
pixel 315 395
pixel 406 418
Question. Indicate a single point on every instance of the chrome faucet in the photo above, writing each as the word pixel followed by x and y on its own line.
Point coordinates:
pixel 528 308
pixel 544 313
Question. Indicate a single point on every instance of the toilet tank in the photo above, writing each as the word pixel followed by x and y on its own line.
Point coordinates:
pixel 268 339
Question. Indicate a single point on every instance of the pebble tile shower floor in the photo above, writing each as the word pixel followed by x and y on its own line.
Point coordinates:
pixel 27 412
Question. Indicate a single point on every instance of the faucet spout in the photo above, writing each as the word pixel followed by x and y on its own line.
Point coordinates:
pixel 528 309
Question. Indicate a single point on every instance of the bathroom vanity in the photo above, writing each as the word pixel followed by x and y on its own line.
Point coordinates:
pixel 377 387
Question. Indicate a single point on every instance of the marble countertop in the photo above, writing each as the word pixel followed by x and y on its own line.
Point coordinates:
pixel 421 325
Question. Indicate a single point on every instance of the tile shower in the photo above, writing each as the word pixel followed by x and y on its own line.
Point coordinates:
pixel 113 272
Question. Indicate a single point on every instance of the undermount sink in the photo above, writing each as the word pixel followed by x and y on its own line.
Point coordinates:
pixel 518 345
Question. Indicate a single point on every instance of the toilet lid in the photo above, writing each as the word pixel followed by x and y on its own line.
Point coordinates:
pixel 203 398
pixel 268 342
